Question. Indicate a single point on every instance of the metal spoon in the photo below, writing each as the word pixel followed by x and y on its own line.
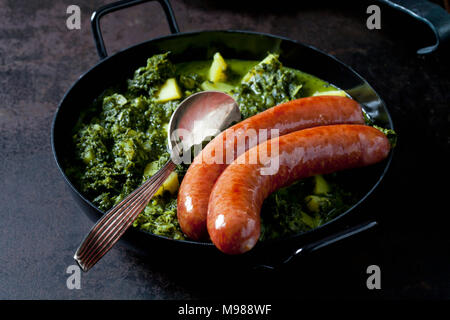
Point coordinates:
pixel 199 116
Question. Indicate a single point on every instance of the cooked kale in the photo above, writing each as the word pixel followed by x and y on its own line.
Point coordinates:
pixel 147 79
pixel 297 208
pixel 390 134
pixel 269 85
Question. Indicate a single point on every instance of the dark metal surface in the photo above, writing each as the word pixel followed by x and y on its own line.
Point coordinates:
pixel 40 225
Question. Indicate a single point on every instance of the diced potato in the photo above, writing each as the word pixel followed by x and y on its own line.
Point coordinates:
pixel 171 185
pixel 269 58
pixel 266 60
pixel 296 90
pixel 217 69
pixel 307 220
pixel 312 222
pixel 218 86
pixel 166 127
pixel 320 185
pixel 151 169
pixel 169 91
pixel 340 93
pixel 128 148
pixel 315 203
pixel 88 156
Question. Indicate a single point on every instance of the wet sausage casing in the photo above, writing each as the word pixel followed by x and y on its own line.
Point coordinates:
pixel 233 218
pixel 197 184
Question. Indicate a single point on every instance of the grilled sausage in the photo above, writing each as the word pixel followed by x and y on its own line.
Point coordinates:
pixel 233 219
pixel 195 189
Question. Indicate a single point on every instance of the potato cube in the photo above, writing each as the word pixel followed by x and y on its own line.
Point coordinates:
pixel 218 86
pixel 169 91
pixel 171 185
pixel 217 69
pixel 340 93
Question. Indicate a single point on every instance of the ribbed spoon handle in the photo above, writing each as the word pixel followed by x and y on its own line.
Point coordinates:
pixel 107 231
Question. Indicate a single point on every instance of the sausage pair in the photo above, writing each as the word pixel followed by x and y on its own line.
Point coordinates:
pixel 197 184
pixel 195 192
pixel 233 219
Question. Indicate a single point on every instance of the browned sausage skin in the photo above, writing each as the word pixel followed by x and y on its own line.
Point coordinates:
pixel 197 184
pixel 233 219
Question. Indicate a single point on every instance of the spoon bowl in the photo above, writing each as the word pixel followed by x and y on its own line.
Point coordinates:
pixel 201 115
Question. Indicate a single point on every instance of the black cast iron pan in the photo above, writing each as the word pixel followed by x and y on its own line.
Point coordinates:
pixel 114 69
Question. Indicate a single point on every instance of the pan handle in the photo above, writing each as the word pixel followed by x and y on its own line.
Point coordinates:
pixel 95 20
pixel 433 15
pixel 313 246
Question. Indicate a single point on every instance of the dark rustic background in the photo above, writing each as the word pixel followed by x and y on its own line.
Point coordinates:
pixel 41 226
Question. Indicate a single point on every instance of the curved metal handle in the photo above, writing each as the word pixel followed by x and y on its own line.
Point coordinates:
pixel 429 13
pixel 311 247
pixel 95 20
